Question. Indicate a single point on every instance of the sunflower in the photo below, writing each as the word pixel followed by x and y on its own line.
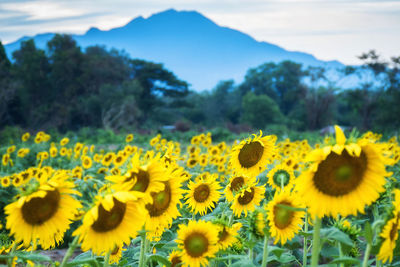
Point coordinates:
pixel 248 197
pixel 5 181
pixel 53 152
pixel 115 254
pixel 390 234
pixel 191 162
pixel 202 194
pixel 281 176
pixel 343 178
pixel 174 258
pixel 115 218
pixel 129 138
pixel 227 235
pixel 163 209
pixel 5 159
pixel 251 156
pixel 147 177
pixel 25 137
pixel 198 242
pixel 107 159
pixel 86 162
pixel 284 223
pixel 11 149
pixel 64 141
pixel 45 214
pixel 235 184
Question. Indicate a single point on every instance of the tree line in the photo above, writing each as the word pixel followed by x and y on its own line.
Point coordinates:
pixel 66 88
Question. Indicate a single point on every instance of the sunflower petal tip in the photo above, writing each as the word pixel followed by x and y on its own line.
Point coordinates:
pixel 340 137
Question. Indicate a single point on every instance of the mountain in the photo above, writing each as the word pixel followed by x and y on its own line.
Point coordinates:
pixel 195 48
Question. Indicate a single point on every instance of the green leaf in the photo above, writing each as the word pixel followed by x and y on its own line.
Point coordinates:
pixel 368 233
pixel 346 260
pixel 337 235
pixel 159 259
pixel 243 263
pixel 276 250
pixel 32 256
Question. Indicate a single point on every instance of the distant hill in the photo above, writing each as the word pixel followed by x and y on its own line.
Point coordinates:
pixel 195 48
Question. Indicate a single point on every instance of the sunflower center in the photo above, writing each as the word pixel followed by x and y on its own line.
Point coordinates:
pixel 161 201
pixel 109 220
pixel 38 210
pixel 142 182
pixel 394 230
pixel 175 261
pixel 339 175
pixel 201 193
pixel 281 177
pixel 196 244
pixel 250 154
pixel 223 235
pixel 247 197
pixel 237 183
pixel 282 217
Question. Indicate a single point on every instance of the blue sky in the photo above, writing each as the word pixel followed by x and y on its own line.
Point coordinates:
pixel 329 29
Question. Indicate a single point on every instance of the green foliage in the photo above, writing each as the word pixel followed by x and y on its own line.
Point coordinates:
pixel 67 88
pixel 259 110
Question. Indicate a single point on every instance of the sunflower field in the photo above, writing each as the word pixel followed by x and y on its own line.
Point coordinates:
pixel 253 202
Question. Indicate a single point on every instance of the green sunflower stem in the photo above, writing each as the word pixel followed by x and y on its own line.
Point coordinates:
pixel 142 257
pixel 231 219
pixel 70 251
pixel 265 251
pixel 13 249
pixel 316 245
pixel 107 259
pixel 340 253
pixel 366 255
pixel 305 241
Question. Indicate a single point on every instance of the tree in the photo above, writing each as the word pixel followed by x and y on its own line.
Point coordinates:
pixel 156 82
pixel 259 110
pixel 7 91
pixel 281 82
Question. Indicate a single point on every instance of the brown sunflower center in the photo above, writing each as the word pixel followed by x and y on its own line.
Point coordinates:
pixel 250 154
pixel 161 201
pixel 223 235
pixel 196 244
pixel 247 197
pixel 175 261
pixel 109 220
pixel 282 216
pixel 142 181
pixel 38 210
pixel 201 193
pixel 237 183
pixel 339 175
pixel 395 228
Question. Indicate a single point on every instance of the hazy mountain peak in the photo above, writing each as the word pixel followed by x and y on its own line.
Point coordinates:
pixel 189 44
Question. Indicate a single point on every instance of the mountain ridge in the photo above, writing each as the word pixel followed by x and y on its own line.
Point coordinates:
pixel 189 44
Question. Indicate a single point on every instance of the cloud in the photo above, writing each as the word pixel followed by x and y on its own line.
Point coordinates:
pixel 329 29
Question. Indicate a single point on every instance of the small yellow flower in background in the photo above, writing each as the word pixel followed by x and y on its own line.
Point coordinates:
pixel 11 149
pixel 64 141
pixel 129 138
pixel 38 139
pixel 86 162
pixel 53 152
pixel 63 151
pixel 5 181
pixel 25 137
pixel 6 159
